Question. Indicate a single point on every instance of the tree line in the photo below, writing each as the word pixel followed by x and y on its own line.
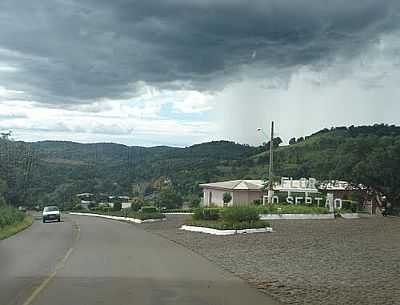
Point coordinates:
pixel 53 172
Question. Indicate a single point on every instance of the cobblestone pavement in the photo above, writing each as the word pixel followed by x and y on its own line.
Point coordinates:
pixel 308 261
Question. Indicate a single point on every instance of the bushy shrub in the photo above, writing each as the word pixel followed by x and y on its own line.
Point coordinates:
pixel 227 197
pixel 9 216
pixel 137 204
pixel 194 202
pixel 257 202
pixel 104 208
pixel 206 214
pixel 240 214
pixel 77 207
pixel 148 209
pixel 169 198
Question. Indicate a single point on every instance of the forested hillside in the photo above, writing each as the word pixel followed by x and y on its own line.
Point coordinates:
pixel 52 172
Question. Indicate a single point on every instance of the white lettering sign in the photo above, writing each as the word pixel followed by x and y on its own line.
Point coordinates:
pixel 298 200
pixel 338 203
pixel 308 200
pixel 318 200
pixel 330 202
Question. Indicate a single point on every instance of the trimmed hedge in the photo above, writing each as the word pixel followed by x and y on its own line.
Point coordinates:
pixel 148 209
pixel 179 211
pixel 240 214
pixel 291 209
pixel 233 218
pixel 223 225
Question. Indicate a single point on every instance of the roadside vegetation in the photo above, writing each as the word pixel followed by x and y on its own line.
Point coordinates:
pixel 12 221
pixel 291 209
pixel 143 213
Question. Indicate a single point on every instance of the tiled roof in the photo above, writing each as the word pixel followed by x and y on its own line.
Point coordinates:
pixel 236 185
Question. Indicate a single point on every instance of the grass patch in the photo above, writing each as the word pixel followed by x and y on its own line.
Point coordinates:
pixel 10 230
pixel 225 225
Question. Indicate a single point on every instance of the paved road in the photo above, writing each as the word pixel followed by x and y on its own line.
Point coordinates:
pixel 89 261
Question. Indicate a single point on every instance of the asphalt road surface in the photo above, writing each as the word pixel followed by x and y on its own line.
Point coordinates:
pixel 87 260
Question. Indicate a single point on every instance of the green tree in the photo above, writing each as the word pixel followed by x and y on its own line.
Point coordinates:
pixel 227 197
pixel 137 203
pixel 169 198
pixel 194 202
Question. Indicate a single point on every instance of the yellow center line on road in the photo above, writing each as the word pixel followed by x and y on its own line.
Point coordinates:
pixel 59 266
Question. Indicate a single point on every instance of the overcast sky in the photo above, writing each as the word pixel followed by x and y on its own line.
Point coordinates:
pixel 178 72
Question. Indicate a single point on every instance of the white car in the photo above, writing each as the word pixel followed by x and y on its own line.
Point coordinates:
pixel 51 213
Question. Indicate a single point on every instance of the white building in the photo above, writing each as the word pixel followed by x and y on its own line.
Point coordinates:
pixel 247 191
pixel 242 192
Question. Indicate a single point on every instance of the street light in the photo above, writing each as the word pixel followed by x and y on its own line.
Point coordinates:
pixel 271 159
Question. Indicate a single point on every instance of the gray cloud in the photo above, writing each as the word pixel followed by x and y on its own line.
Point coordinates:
pixel 11 116
pixel 71 52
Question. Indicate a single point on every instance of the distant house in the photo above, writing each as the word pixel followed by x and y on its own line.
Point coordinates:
pixel 242 192
pixel 86 199
pixel 247 191
pixel 85 195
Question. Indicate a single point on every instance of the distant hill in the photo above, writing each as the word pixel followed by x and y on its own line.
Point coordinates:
pixel 51 171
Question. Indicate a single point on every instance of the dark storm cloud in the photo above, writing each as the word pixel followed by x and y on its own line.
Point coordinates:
pixel 73 51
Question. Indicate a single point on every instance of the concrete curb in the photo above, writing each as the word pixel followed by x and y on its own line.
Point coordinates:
pixel 126 219
pixel 296 216
pixel 225 232
pixel 349 215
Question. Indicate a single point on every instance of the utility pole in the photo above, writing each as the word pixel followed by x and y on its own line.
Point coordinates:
pixel 271 161
pixel 271 156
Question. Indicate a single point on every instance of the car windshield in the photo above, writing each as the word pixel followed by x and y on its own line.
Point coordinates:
pixel 50 209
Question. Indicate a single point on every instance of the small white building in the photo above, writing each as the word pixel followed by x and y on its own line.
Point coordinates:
pixel 242 191
pixel 245 192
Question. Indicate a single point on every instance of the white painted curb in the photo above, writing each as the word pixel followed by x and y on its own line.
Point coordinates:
pixel 185 213
pixel 225 232
pixel 349 215
pixel 296 216
pixel 128 219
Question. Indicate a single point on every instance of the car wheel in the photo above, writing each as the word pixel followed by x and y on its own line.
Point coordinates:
pixel 59 219
pixel 44 220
